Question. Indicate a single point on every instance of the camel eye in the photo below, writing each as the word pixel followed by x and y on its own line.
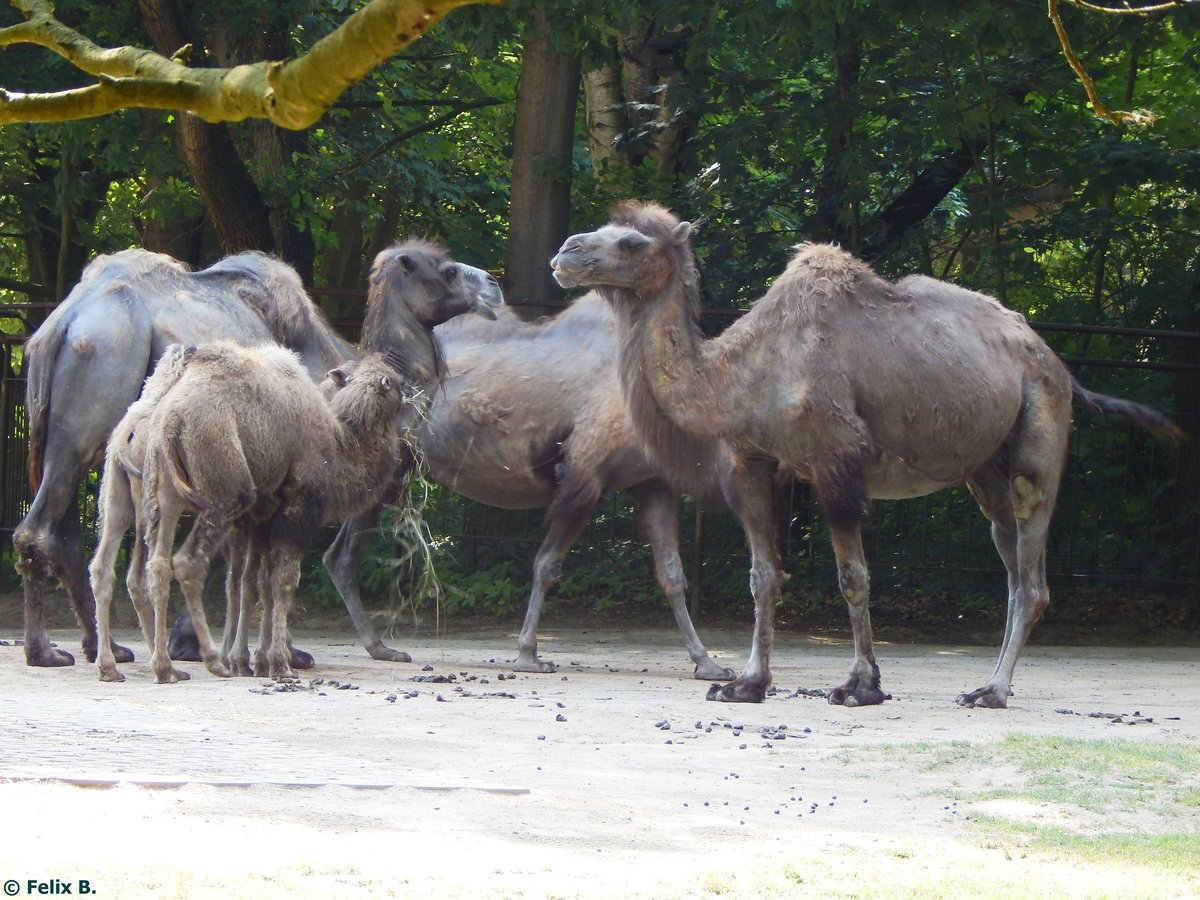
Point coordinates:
pixel 385 383
pixel 632 243
pixel 451 273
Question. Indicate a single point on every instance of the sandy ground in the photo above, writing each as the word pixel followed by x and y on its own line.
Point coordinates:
pixel 610 777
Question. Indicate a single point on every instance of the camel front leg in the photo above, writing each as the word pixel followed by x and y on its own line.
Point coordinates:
pixel 341 561
pixel 862 687
pixel 566 524
pixel 658 520
pixel 117 515
pixel 750 493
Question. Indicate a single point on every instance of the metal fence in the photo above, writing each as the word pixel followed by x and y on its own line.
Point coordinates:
pixel 1120 525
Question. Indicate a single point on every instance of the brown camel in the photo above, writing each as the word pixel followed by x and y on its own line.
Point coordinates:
pixel 107 336
pixel 861 387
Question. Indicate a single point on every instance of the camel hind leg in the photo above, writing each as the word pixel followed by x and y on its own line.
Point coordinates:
pixel 191 565
pixel 658 521
pixel 1020 503
pixel 117 506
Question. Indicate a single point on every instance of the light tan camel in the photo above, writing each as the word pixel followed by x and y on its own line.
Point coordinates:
pixel 861 387
pixel 246 439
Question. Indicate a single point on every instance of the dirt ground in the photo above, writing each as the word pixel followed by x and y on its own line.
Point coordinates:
pixel 610 777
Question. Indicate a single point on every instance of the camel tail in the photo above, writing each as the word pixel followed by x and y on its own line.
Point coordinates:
pixel 41 354
pixel 1144 417
pixel 179 477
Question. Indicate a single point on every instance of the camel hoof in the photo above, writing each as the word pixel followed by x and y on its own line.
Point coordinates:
pixel 302 659
pixel 383 653
pixel 983 698
pixel 47 657
pixel 218 668
pixel 710 671
pixel 122 654
pixel 862 695
pixel 111 675
pixel 171 676
pixel 535 665
pixel 737 692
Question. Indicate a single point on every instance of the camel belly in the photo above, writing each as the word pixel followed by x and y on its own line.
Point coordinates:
pixel 889 478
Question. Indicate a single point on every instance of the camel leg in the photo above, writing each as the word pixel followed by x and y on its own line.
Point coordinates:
pixel 658 521
pixel 116 517
pixel 862 687
pixel 749 491
pixel 192 565
pixel 341 560
pixel 160 530
pixel 566 524
pixel 1020 525
pixel 261 573
pixel 241 591
pixel 135 584
pixel 285 579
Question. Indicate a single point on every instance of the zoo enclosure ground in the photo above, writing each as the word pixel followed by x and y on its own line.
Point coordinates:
pixel 611 777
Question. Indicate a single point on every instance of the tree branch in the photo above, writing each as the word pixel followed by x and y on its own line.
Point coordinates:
pixel 1116 117
pixel 293 93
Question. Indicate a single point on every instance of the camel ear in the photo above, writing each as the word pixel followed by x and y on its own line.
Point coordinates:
pixel 681 231
pixel 337 376
pixel 405 262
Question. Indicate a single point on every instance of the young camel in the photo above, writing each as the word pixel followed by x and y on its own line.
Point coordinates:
pixel 246 439
pixel 861 387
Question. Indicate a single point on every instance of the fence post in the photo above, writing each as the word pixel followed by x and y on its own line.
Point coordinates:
pixel 697 559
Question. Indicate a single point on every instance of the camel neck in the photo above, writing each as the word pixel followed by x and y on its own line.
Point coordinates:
pixel 690 377
pixel 413 343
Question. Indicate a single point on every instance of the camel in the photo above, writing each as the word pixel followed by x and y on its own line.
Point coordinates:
pixel 244 437
pixel 523 422
pixel 89 359
pixel 861 387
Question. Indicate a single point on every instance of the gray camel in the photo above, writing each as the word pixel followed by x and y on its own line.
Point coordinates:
pixel 531 416
pixel 861 387
pixel 89 359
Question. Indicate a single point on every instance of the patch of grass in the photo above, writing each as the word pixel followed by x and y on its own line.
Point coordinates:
pixel 1177 852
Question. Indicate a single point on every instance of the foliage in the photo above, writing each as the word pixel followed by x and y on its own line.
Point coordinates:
pixel 940 137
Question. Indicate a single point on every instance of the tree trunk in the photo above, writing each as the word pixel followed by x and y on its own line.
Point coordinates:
pixel 234 204
pixel 604 105
pixel 540 205
pixel 836 214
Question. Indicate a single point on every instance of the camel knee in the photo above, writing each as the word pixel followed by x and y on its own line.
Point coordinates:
pixel 1027 496
pixel 766 581
pixel 854 581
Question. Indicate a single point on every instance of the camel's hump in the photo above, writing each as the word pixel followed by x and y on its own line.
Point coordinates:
pixel 826 260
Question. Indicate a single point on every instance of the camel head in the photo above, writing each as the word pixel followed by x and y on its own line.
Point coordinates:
pixel 420 278
pixel 640 249
pixel 366 390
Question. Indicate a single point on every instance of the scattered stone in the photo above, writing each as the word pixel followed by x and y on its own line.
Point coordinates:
pixel 560 718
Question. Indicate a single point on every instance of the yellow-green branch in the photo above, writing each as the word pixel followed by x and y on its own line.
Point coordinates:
pixel 294 93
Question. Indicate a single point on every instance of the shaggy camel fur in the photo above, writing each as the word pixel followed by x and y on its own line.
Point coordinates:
pixel 861 387
pixel 245 437
pixel 108 335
